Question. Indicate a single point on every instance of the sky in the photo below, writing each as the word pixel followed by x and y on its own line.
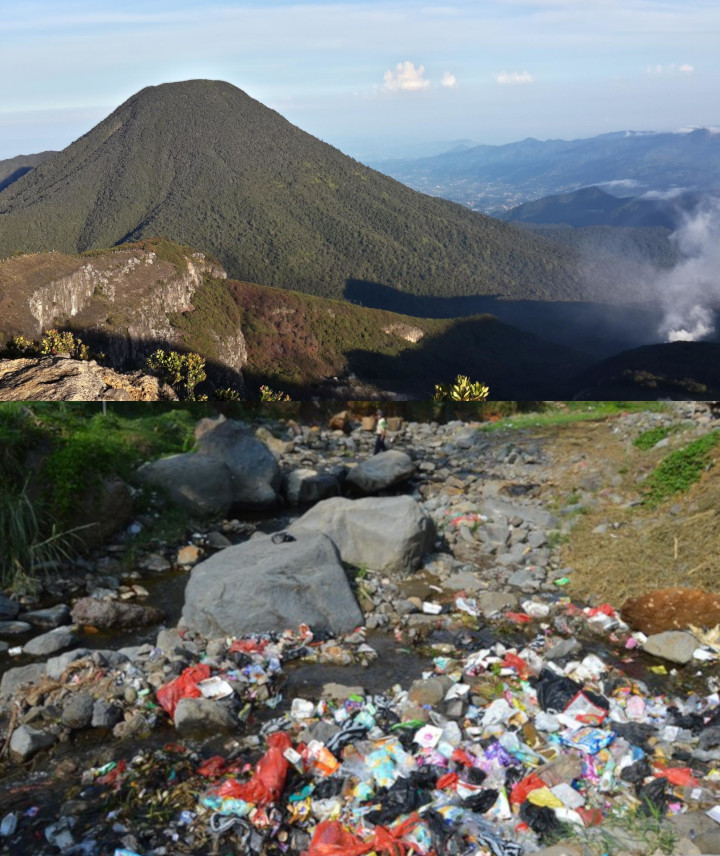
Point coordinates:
pixel 374 78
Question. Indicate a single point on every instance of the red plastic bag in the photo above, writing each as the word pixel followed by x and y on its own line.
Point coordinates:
pixel 448 780
pixel 268 780
pixel 525 786
pixel 512 661
pixel 518 617
pixel 681 776
pixel 388 840
pixel 184 686
pixel 332 839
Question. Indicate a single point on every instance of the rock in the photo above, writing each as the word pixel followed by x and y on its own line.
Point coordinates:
pixel 135 728
pixel 202 485
pixel 9 608
pixel 15 678
pixel 493 508
pixel 101 510
pixel 340 422
pixel 54 616
pixel 113 614
pixel 203 714
pixel 429 691
pixel 306 487
pixel 381 471
pixel 672 609
pixel 55 666
pixel 388 534
pixel 189 554
pixel 156 563
pixel 77 712
pixel 27 741
pixel 463 581
pixel 105 714
pixel 169 640
pixel 340 692
pixel 673 645
pixel 59 378
pixel 217 541
pixel 276 446
pixel 255 475
pixel 14 628
pixel 491 602
pixel 261 586
pixel 50 642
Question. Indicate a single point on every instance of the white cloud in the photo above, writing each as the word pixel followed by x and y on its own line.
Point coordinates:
pixel 448 80
pixel 406 78
pixel 669 69
pixel 513 77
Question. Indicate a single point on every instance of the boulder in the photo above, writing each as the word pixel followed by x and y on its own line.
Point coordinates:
pixel 204 715
pixel 340 422
pixel 388 534
pixel 200 484
pixel 381 471
pixel 27 741
pixel 260 586
pixel 671 609
pixel 113 614
pixel 50 642
pixel 254 471
pixel 9 608
pixel 77 711
pixel 46 619
pixel 306 486
pixel 673 645
pixel 19 676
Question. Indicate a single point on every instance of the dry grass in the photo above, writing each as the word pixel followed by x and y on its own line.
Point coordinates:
pixel 675 544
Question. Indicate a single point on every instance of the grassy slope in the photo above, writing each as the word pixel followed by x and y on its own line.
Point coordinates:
pixel 204 164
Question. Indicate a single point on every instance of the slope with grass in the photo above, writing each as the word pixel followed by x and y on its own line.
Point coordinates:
pixel 204 164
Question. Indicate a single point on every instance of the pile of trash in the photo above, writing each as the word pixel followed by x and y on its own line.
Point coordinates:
pixel 499 750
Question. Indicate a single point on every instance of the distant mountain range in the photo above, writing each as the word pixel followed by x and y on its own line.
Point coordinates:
pixel 202 163
pixel 496 178
pixel 593 206
pixel 14 168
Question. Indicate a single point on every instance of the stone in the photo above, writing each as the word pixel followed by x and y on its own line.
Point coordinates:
pixel 27 741
pixel 203 714
pixel 261 586
pixel 135 728
pixel 19 676
pixel 77 712
pixel 671 609
pixel 493 508
pixel 9 608
pixel 306 487
pixel 429 691
pixel 340 422
pixel 189 554
pixel 387 534
pixel 276 446
pixel 340 692
pixel 217 541
pixel 491 602
pixel 156 563
pixel 14 628
pixel 673 645
pixel 254 471
pixel 463 581
pixel 168 640
pixel 105 714
pixel 202 485
pixel 50 642
pixel 112 614
pixel 53 616
pixel 382 471
pixel 55 666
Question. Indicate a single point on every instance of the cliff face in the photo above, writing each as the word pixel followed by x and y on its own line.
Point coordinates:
pixel 119 301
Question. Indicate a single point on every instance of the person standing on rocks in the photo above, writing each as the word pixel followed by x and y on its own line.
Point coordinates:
pixel 380 432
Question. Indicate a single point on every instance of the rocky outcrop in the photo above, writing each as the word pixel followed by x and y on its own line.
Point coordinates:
pixel 60 378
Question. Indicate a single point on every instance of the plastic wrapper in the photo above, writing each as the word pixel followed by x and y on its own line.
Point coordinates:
pixel 268 781
pixel 332 839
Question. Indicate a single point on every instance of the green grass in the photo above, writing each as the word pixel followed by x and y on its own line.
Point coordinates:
pixel 679 470
pixel 649 439
pixel 573 411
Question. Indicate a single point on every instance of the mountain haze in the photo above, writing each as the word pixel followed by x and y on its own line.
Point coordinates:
pixel 202 163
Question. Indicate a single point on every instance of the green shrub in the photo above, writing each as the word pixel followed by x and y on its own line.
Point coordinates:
pixel 182 371
pixel 679 469
pixel 267 394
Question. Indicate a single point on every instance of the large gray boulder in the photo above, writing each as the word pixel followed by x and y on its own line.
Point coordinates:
pixel 306 487
pixel 388 534
pixel 199 484
pixel 381 471
pixel 254 471
pixel 260 586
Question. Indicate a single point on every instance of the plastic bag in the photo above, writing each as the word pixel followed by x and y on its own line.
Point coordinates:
pixel 184 686
pixel 268 781
pixel 332 839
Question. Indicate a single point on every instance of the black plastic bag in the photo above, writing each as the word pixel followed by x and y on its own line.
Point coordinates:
pixel 541 820
pixel 482 801
pixel 653 798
